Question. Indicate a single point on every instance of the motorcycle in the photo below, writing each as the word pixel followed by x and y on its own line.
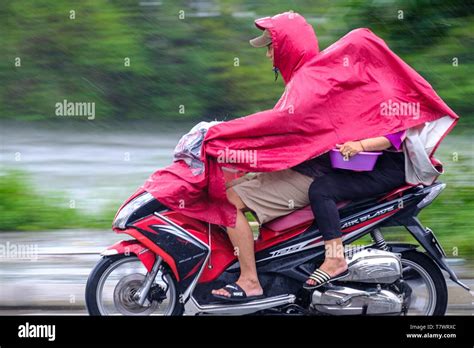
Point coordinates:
pixel 172 262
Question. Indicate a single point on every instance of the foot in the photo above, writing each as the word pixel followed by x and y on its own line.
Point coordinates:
pixel 250 286
pixel 332 266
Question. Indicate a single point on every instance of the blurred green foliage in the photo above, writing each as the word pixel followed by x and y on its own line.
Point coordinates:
pixel 450 217
pixel 25 209
pixel 185 52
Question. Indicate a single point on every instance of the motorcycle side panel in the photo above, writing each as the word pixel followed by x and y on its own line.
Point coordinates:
pixel 181 252
pixel 222 252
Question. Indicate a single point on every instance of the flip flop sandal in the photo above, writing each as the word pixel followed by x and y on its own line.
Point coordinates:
pixel 321 278
pixel 237 294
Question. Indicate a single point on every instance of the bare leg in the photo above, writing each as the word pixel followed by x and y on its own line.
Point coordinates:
pixel 334 263
pixel 242 238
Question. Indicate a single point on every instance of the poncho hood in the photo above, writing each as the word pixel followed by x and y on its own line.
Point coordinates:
pixel 294 41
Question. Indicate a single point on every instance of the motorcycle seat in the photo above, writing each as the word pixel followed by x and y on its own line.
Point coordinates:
pixel 305 215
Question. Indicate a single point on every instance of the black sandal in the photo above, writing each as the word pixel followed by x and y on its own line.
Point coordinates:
pixel 237 294
pixel 321 278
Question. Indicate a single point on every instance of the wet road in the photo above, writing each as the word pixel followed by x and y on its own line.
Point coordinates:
pixel 44 273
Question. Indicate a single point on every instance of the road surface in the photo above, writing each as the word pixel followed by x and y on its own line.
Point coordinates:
pixel 51 280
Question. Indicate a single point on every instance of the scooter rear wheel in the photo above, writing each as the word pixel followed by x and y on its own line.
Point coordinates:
pixel 429 292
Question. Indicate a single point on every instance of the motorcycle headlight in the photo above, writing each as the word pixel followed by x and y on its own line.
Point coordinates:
pixel 124 214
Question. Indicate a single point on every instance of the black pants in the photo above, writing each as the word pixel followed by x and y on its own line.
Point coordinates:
pixel 340 185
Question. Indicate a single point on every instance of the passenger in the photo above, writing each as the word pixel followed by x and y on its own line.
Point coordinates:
pixel 340 185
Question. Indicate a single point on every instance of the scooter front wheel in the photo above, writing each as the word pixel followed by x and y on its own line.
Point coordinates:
pixel 114 281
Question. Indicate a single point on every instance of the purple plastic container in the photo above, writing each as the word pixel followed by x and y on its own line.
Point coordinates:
pixel 362 162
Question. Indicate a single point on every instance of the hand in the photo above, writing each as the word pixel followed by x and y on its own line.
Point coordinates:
pixel 350 148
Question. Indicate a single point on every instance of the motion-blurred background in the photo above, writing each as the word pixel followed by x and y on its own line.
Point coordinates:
pixel 154 69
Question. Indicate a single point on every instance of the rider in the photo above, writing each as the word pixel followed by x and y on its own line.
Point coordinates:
pixel 274 194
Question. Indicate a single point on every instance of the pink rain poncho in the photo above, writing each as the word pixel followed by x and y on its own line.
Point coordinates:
pixel 355 89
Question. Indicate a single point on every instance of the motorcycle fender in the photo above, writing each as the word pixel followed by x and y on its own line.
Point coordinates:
pixel 434 250
pixel 428 241
pixel 145 255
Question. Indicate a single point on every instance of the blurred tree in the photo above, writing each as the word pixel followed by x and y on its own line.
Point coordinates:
pixel 174 60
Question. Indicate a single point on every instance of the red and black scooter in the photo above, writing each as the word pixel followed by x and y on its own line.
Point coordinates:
pixel 172 262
